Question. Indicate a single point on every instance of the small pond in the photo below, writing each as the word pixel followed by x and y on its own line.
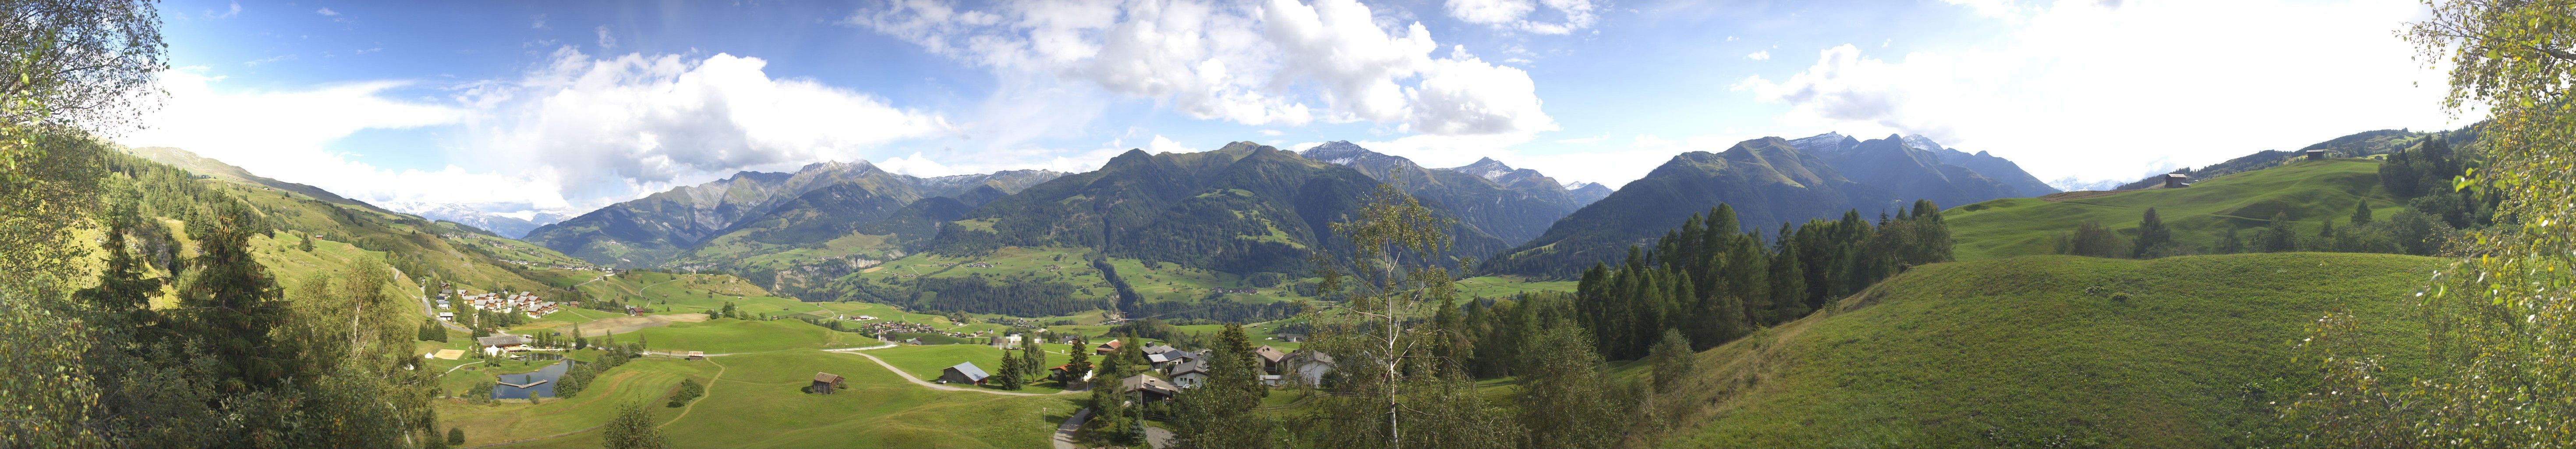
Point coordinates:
pixel 543 380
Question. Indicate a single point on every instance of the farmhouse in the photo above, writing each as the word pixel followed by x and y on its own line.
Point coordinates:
pixel 825 383
pixel 1270 358
pixel 2316 154
pixel 505 342
pixel 1145 388
pixel 2176 180
pixel 963 373
pixel 1190 374
pixel 697 355
pixel 1109 348
pixel 1307 366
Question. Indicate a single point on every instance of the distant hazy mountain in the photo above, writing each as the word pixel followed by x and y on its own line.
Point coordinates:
pixel 1768 181
pixel 1511 204
pixel 1916 167
pixel 1587 192
pixel 503 225
pixel 1244 208
pixel 648 231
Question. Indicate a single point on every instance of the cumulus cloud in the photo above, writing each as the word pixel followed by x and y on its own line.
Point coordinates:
pixel 637 123
pixel 1759 55
pixel 605 41
pixel 2078 88
pixel 1571 15
pixel 1279 62
pixel 573 133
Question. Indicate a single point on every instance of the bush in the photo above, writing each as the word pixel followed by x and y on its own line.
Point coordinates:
pixel 689 391
pixel 455 436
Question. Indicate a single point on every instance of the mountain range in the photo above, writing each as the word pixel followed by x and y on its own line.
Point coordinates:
pixel 648 231
pixel 1768 181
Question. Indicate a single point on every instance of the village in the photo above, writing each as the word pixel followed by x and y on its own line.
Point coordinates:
pixel 526 303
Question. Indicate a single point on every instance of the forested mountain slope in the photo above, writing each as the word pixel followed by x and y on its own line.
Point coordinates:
pixel 1767 181
pixel 1514 205
pixel 1244 208
pixel 650 231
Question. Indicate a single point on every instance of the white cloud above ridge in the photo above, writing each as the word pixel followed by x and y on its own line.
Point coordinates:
pixel 572 134
pixel 2073 90
pixel 1279 62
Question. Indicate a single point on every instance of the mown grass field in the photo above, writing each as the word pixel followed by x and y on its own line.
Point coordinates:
pixel 727 335
pixel 927 361
pixel 648 381
pixel 2038 350
pixel 2309 191
pixel 755 402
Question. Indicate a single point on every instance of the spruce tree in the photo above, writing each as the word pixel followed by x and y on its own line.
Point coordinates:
pixel 234 304
pixel 2153 237
pixel 2361 212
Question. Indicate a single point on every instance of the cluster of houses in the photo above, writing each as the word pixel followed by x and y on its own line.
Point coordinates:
pixel 521 302
pixel 496 345
pixel 1184 369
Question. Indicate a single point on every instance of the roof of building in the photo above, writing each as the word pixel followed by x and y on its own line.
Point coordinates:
pixel 1269 354
pixel 1313 356
pixel 502 340
pixel 1113 344
pixel 1192 366
pixel 970 371
pixel 827 378
pixel 1145 382
pixel 1159 348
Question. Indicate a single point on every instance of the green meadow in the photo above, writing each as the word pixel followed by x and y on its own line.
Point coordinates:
pixel 2309 191
pixel 2028 351
pixel 727 335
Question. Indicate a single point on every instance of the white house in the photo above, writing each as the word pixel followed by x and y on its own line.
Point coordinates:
pixel 1190 374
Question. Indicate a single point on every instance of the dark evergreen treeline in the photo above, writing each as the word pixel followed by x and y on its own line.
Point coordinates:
pixel 1714 284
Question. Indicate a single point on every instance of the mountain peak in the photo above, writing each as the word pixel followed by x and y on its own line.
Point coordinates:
pixel 1338 152
pixel 1919 142
pixel 1488 168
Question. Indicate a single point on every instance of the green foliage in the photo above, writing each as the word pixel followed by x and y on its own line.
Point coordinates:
pixel 1566 398
pixel 689 391
pixel 1219 413
pixel 1008 377
pixel 631 429
pixel 2091 239
pixel 2154 240
pixel 1715 284
pixel 455 436
pixel 2281 236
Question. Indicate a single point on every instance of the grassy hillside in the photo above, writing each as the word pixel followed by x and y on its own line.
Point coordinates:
pixel 727 335
pixel 2035 350
pixel 2307 190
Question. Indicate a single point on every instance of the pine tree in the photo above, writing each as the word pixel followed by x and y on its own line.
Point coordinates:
pixel 631 429
pixel 1220 413
pixel 2153 237
pixel 2282 236
pixel 2361 212
pixel 307 246
pixel 1079 363
pixel 235 304
pixel 1008 377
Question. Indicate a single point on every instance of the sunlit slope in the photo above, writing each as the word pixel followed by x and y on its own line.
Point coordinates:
pixel 2023 351
pixel 2308 190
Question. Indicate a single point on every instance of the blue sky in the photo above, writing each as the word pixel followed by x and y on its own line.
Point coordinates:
pixel 566 106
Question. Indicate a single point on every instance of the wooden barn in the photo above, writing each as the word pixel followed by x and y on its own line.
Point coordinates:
pixel 963 373
pixel 826 382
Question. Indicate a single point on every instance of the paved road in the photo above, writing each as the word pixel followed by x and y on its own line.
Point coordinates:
pixel 1064 432
pixel 1157 437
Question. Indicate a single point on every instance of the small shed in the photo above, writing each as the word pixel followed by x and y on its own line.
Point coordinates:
pixel 697 355
pixel 826 382
pixel 963 373
pixel 1110 347
pixel 2174 180
pixel 2316 154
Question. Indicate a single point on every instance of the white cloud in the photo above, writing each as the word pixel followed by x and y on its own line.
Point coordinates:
pixel 1277 62
pixel 326 12
pixel 231 9
pixel 1271 132
pixel 1759 55
pixel 1594 140
pixel 1165 145
pixel 605 41
pixel 1516 14
pixel 572 134
pixel 539 23
pixel 2097 92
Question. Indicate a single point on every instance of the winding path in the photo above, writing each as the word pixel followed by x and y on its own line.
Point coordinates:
pixel 1064 432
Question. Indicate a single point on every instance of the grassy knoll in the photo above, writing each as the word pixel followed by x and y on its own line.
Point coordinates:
pixel 757 404
pixel 648 381
pixel 926 361
pixel 727 335
pixel 2032 350
pixel 2308 191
